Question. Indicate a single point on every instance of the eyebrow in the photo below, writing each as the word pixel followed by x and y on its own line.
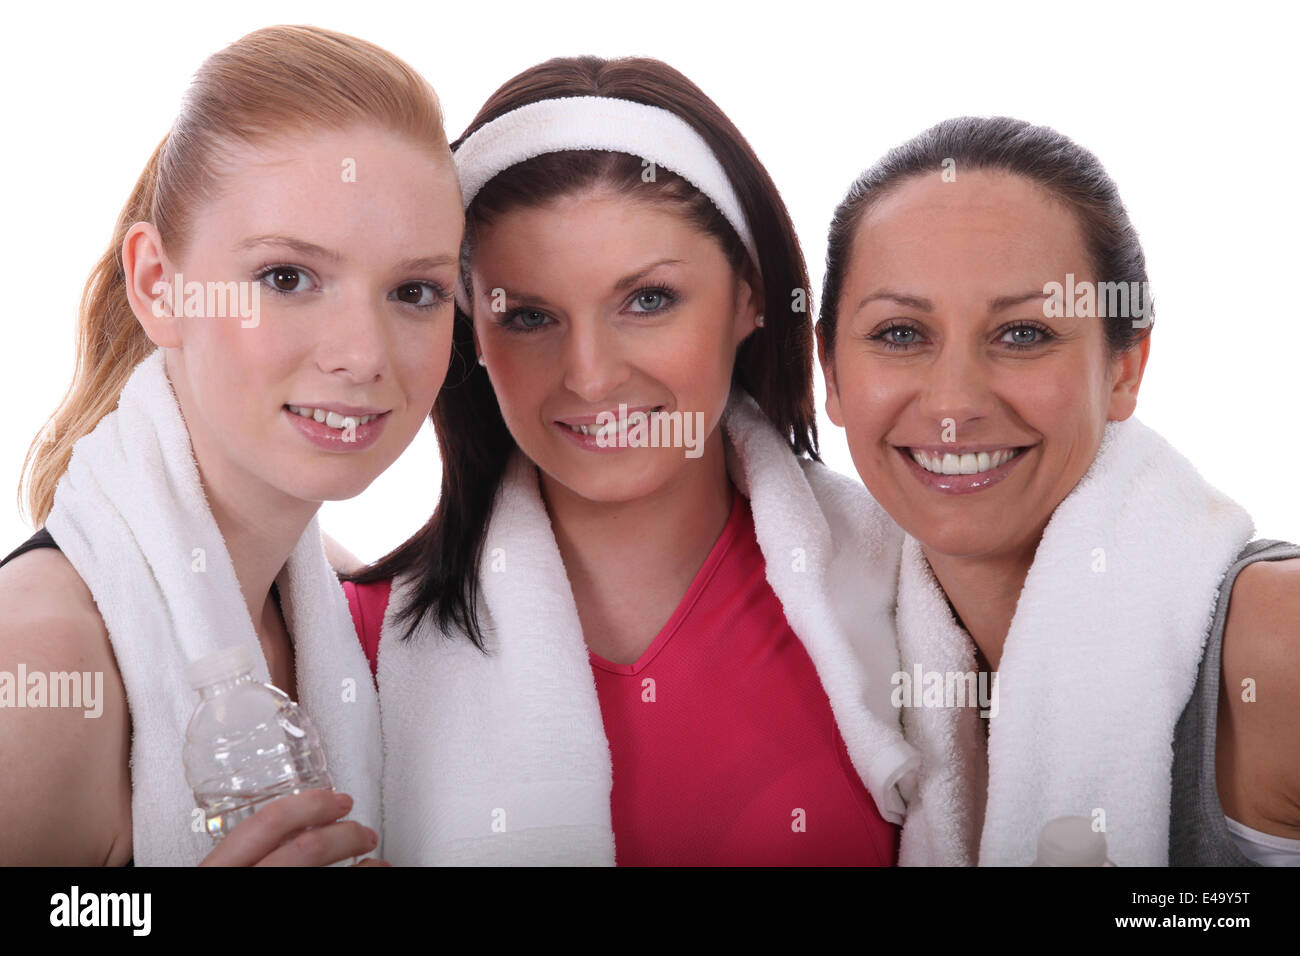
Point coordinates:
pixel 300 246
pixel 911 301
pixel 633 278
pixel 629 280
pixel 304 248
pixel 997 304
pixel 426 262
pixel 1011 301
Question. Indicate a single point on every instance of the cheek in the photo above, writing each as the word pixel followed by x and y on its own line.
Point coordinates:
pixel 422 360
pixel 1064 398
pixel 872 394
pixel 238 373
pixel 524 370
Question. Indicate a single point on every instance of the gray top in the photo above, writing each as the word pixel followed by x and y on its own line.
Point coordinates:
pixel 1197 834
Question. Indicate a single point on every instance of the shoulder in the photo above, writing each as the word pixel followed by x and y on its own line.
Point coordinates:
pixel 1262 632
pixel 1261 669
pixel 66 801
pixel 340 558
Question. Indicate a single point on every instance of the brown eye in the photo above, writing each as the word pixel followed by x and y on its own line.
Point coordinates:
pixel 420 295
pixel 412 293
pixel 286 279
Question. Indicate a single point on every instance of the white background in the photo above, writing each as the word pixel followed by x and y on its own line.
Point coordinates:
pixel 1191 108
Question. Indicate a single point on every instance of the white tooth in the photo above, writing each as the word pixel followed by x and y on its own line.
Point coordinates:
pixel 318 414
pixel 299 410
pixel 334 420
pixel 969 463
pixel 951 464
pixel 349 422
pixel 985 462
pixel 365 418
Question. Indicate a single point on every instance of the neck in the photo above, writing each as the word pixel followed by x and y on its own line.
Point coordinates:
pixel 259 536
pixel 259 525
pixel 657 543
pixel 984 592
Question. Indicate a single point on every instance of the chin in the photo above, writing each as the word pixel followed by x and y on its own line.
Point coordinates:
pixel 960 537
pixel 330 488
pixel 609 482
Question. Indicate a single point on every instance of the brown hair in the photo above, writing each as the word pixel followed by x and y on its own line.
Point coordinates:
pixel 273 82
pixel 774 364
pixel 1038 153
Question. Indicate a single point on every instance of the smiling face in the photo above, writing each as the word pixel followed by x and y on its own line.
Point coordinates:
pixel 352 277
pixel 607 301
pixel 945 361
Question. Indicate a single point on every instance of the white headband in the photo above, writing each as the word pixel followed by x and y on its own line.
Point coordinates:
pixel 604 123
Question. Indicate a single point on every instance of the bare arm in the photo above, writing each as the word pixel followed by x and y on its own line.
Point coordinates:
pixel 65 795
pixel 1258 751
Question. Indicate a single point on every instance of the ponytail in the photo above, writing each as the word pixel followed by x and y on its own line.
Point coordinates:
pixel 110 344
pixel 251 91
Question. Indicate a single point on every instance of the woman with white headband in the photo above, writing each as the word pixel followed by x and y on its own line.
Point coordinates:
pixel 644 625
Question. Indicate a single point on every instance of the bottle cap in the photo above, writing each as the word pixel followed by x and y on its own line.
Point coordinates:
pixel 221 665
pixel 1071 841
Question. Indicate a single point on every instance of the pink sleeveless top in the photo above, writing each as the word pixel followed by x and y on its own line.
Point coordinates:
pixel 724 747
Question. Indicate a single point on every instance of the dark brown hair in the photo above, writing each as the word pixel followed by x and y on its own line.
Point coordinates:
pixel 1038 153
pixel 774 364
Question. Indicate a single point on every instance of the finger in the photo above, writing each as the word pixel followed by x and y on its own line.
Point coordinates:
pixel 321 846
pixel 259 835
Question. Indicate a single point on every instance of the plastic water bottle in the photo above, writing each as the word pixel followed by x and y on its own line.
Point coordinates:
pixel 247 743
pixel 1071 841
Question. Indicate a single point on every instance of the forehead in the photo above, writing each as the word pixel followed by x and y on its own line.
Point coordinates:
pixel 327 185
pixel 988 228
pixel 592 226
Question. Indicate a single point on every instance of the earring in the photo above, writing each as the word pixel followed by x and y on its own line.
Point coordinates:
pixel 482 361
pixel 759 320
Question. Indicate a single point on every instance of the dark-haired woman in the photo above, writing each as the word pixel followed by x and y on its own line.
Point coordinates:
pixel 645 625
pixel 985 325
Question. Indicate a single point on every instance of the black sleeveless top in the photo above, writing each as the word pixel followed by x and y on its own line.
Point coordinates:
pixel 41 539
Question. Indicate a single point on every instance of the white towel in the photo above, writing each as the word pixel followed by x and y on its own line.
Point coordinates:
pixel 1099 662
pixel 130 515
pixel 503 758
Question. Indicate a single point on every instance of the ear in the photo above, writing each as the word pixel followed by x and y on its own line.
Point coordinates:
pixel 149 285
pixel 833 409
pixel 1126 378
pixel 749 306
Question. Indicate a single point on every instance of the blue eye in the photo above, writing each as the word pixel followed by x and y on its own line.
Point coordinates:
pixel 896 337
pixel 651 300
pixel 525 320
pixel 1025 336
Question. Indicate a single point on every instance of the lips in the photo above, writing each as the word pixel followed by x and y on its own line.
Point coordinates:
pixel 353 433
pixel 962 469
pixel 964 463
pixel 590 425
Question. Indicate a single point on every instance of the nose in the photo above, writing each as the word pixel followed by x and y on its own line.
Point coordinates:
pixel 593 362
pixel 956 388
pixel 352 339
